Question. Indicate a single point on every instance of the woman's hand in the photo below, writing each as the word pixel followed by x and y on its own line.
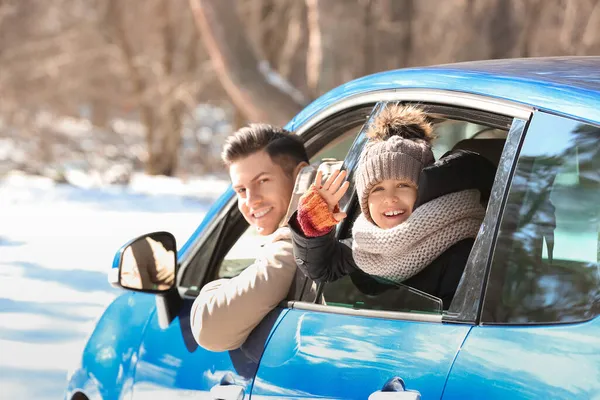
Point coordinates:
pixel 332 190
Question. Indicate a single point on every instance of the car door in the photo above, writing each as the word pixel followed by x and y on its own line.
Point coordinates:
pixel 354 345
pixel 539 333
pixel 171 364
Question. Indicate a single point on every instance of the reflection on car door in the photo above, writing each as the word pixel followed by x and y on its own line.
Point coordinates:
pixel 172 365
pixel 316 354
pixel 543 295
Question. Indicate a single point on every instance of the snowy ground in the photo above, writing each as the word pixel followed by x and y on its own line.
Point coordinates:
pixel 56 246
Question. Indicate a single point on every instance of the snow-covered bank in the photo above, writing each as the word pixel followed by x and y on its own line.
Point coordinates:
pixel 56 245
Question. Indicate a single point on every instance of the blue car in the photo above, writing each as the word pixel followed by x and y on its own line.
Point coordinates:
pixel 523 323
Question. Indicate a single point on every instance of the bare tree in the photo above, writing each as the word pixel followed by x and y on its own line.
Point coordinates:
pixel 332 26
pixel 66 56
pixel 314 57
pixel 154 61
pixel 165 80
pixel 253 87
pixel 293 39
pixel 590 40
pixel 579 31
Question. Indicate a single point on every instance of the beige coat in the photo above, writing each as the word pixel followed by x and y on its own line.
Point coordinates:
pixel 227 310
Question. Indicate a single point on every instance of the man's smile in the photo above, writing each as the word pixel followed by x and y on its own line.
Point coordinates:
pixel 261 213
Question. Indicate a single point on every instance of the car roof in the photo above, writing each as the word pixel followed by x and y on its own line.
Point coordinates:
pixel 563 85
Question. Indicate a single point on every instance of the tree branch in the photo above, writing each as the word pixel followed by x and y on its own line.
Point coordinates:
pixel 292 41
pixel 237 66
pixel 314 55
pixel 115 14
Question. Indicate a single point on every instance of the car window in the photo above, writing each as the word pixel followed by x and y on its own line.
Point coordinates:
pixel 246 249
pixel 200 261
pixel 241 255
pixel 338 148
pixel 545 266
pixel 390 297
pixel 450 134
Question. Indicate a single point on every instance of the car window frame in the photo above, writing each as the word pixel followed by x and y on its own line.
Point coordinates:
pixel 316 134
pixel 450 101
pixel 476 267
pixel 477 270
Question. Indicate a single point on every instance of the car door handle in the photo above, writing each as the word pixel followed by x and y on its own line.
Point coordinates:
pixel 395 389
pixel 227 392
pixel 227 389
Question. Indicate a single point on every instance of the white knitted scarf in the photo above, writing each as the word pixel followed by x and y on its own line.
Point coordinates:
pixel 403 251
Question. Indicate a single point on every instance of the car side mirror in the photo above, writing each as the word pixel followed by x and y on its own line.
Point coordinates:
pixel 146 264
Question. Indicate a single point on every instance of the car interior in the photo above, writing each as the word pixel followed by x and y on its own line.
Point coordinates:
pixel 455 129
pixel 452 135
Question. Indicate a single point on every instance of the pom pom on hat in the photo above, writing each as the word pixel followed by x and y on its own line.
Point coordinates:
pixel 408 122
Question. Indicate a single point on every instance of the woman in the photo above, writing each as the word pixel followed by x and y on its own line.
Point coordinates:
pixel 417 235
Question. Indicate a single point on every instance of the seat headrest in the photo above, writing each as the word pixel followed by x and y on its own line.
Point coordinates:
pixel 488 148
pixel 455 172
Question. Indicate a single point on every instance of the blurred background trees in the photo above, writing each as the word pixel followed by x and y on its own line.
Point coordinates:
pixel 158 84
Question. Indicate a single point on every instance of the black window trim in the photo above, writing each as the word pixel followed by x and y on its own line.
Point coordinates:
pixel 478 268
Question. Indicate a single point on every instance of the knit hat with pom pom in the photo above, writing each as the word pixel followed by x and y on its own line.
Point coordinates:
pixel 399 147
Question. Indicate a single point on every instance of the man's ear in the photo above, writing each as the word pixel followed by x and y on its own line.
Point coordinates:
pixel 299 168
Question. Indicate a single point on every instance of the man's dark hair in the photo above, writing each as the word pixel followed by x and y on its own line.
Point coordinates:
pixel 284 148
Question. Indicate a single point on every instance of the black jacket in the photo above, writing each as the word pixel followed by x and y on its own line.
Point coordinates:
pixel 325 259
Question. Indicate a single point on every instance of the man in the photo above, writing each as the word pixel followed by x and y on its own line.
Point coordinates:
pixel 263 163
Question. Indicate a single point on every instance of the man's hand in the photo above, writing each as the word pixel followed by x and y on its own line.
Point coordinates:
pixel 332 190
